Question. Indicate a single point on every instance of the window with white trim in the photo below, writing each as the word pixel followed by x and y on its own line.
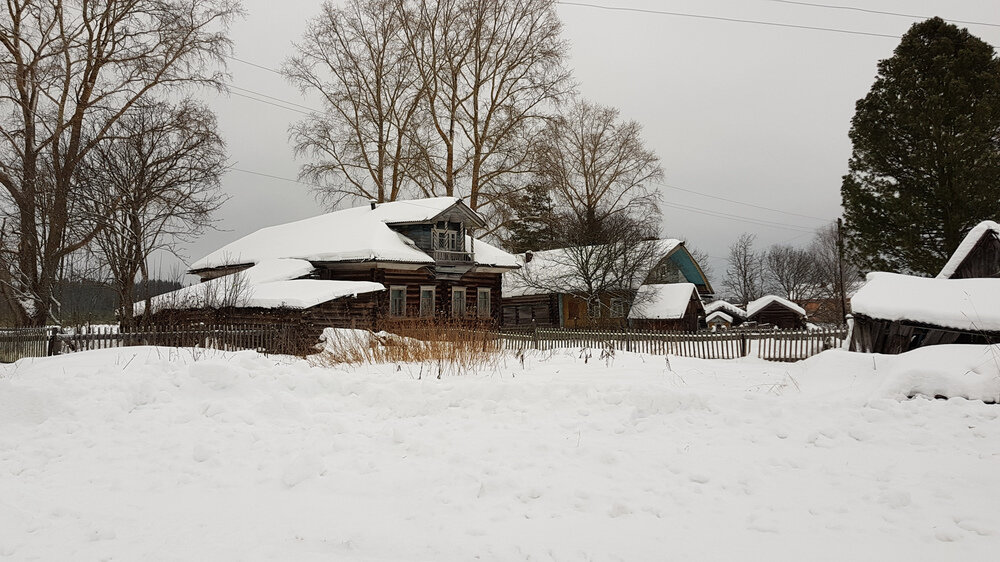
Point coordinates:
pixel 594 307
pixel 458 302
pixel 617 308
pixel 483 304
pixel 397 300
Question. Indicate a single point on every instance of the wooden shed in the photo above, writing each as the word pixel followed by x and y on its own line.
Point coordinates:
pixel 772 310
pixel 723 312
pixel 671 307
pixel 896 313
pixel 978 256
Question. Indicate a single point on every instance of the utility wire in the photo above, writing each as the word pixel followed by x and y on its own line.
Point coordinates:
pixel 284 101
pixel 743 203
pixel 750 220
pixel 260 66
pixel 721 18
pixel 271 103
pixel 879 12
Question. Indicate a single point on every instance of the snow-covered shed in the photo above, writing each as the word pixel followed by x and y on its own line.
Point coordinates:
pixel 776 311
pixel 895 313
pixel 398 261
pixel 723 312
pixel 718 320
pixel 674 307
pixel 977 256
pixel 551 289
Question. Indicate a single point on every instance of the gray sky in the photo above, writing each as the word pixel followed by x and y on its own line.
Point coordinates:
pixel 746 112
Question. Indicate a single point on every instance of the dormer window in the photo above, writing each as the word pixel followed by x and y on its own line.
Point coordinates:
pixel 446 238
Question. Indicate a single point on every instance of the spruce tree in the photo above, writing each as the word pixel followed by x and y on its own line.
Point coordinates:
pixel 925 167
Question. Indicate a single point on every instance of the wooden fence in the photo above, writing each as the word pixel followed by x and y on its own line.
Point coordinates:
pixel 774 345
pixel 40 342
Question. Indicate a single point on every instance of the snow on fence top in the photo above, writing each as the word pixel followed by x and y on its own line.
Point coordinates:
pixel 731 309
pixel 662 302
pixel 562 270
pixel 759 304
pixel 960 304
pixel 357 234
pixel 269 284
pixel 968 243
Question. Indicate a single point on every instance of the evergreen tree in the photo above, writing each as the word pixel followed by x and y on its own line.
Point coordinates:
pixel 926 161
pixel 533 226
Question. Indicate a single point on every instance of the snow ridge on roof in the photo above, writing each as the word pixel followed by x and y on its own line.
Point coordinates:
pixel 759 304
pixel 269 284
pixel 668 301
pixel 718 314
pixel 968 243
pixel 731 309
pixel 962 304
pixel 356 234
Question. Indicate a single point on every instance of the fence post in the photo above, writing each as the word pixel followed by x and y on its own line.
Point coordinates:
pixel 743 345
pixel 53 343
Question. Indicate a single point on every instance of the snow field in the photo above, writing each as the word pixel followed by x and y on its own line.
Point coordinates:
pixel 166 454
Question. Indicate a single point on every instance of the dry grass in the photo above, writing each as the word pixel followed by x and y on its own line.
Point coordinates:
pixel 444 347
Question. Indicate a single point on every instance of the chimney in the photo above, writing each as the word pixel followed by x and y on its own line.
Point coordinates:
pixel 527 256
pixel 372 202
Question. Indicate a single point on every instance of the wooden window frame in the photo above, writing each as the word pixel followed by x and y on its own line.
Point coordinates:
pixel 488 313
pixel 392 312
pixel 617 307
pixel 433 290
pixel 465 295
pixel 594 308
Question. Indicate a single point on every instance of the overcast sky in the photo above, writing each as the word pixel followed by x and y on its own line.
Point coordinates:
pixel 746 112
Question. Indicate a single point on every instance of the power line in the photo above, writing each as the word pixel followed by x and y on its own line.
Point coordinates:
pixel 733 20
pixel 743 203
pixel 750 220
pixel 274 98
pixel 271 103
pixel 879 12
pixel 260 66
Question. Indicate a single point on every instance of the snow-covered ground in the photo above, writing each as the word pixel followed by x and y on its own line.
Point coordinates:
pixel 165 454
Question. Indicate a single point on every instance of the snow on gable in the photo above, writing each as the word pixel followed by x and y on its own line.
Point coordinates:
pixel 272 283
pixel 961 304
pixel 759 304
pixel 729 308
pixel 668 301
pixel 718 315
pixel 967 245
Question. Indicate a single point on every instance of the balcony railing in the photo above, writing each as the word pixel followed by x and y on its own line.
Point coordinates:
pixel 452 256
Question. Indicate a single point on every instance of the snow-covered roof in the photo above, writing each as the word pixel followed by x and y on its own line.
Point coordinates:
pixel 357 234
pixel 718 315
pixel 489 255
pixel 731 309
pixel 968 243
pixel 961 304
pixel 668 301
pixel 558 271
pixel 756 306
pixel 271 283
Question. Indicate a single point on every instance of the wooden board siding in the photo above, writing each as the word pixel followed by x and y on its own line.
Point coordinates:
pixel 531 310
pixel 874 335
pixel 982 261
pixel 688 323
pixel 780 316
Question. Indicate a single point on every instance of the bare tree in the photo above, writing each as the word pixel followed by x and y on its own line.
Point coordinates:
pixel 155 184
pixel 792 272
pixel 745 274
pixel 357 59
pixel 68 72
pixel 837 276
pixel 598 168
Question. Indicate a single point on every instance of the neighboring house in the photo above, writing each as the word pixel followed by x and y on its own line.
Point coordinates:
pixel 671 307
pixel 896 313
pixel 978 256
pixel 718 320
pixel 724 312
pixel 551 289
pixel 772 310
pixel 369 267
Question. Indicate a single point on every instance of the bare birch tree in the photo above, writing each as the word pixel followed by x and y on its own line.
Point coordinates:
pixel 155 184
pixel 72 68
pixel 598 168
pixel 791 272
pixel 363 145
pixel 744 278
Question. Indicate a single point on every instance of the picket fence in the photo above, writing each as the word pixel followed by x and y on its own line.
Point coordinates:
pixel 41 342
pixel 773 345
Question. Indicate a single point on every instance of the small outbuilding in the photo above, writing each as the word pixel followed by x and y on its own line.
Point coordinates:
pixel 721 310
pixel 978 256
pixel 895 313
pixel 718 320
pixel 772 310
pixel 672 307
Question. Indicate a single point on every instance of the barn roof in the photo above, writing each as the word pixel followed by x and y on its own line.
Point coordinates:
pixel 960 304
pixel 718 315
pixel 275 283
pixel 729 308
pixel 668 301
pixel 967 245
pixel 359 234
pixel 756 306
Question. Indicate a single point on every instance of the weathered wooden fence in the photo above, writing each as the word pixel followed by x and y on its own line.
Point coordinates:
pixel 40 342
pixel 775 345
